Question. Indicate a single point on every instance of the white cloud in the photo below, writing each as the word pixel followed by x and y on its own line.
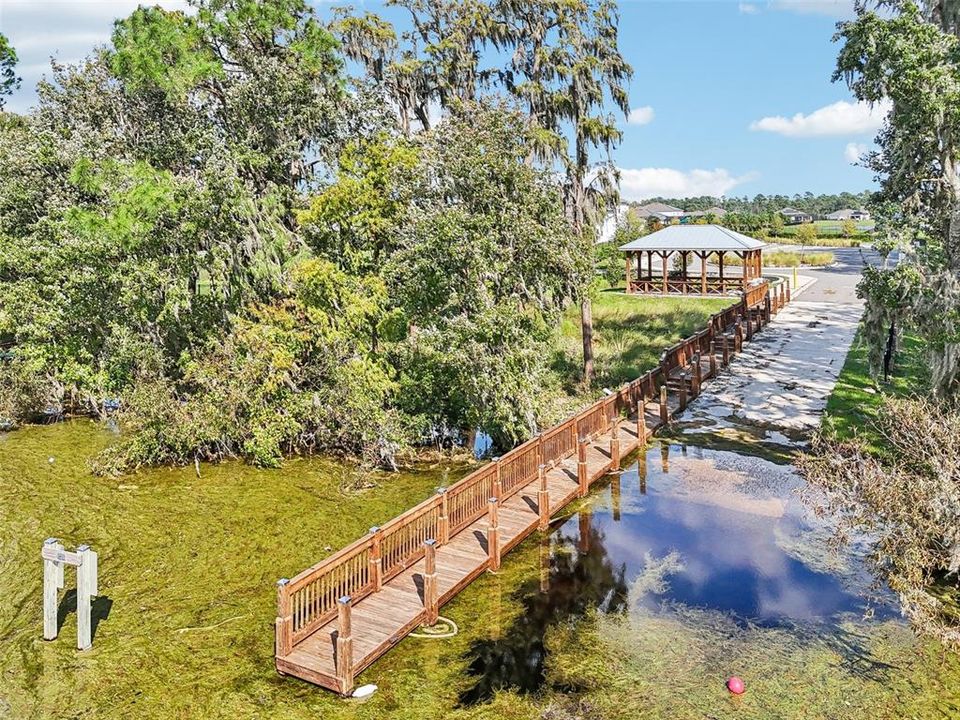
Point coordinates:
pixel 853 151
pixel 640 115
pixel 67 30
pixel 840 118
pixel 839 9
pixel 641 183
pixel 748 8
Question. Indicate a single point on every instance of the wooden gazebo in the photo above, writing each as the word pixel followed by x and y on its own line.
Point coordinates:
pixel 700 261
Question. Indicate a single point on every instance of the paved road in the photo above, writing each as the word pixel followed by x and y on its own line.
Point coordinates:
pixel 836 284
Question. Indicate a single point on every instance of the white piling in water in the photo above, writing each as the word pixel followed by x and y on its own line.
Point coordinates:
pixel 55 557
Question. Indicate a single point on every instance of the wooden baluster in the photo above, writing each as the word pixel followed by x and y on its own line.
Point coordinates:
pixel 431 601
pixel 543 497
pixel 664 408
pixel 493 535
pixel 376 561
pixel 344 663
pixel 615 445
pixel 443 522
pixel 284 622
pixel 641 422
pixel 583 476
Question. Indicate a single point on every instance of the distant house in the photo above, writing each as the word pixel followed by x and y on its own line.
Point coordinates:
pixel 661 212
pixel 716 212
pixel 792 216
pixel 849 214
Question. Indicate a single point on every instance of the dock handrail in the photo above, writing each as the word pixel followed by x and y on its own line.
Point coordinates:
pixel 310 599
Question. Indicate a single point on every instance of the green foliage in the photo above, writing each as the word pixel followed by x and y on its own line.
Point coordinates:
pixel 9 82
pixel 807 233
pixel 291 377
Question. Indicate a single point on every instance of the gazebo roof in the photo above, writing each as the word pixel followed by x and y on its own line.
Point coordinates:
pixel 694 237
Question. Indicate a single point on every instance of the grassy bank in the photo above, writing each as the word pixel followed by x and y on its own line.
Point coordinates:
pixel 630 333
pixel 856 397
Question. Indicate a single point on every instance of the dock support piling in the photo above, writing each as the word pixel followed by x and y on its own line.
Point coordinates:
pixel 641 422
pixel 615 445
pixel 284 623
pixel 493 534
pixel 86 589
pixel 583 477
pixel 430 597
pixel 344 664
pixel 697 376
pixel 683 393
pixel 52 582
pixel 713 359
pixel 543 498
pixel 664 408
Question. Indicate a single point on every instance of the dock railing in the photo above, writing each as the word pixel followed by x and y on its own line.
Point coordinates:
pixel 315 596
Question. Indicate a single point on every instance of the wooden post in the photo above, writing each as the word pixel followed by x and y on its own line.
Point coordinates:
pixel 615 497
pixel 665 272
pixel 615 445
pixel 713 358
pixel 376 561
pixel 443 522
pixel 726 351
pixel 583 477
pixel 52 582
pixel 493 535
pixel 284 623
pixel 431 603
pixel 683 392
pixel 783 295
pixel 697 376
pixel 497 484
pixel 86 590
pixel 749 318
pixel 629 291
pixel 641 422
pixel 766 308
pixel 703 272
pixel 543 498
pixel 738 335
pixel 664 408
pixel 544 563
pixel 788 289
pixel 344 663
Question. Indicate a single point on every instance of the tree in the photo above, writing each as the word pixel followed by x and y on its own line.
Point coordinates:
pixel 909 57
pixel 566 65
pixel 848 228
pixel 9 82
pixel 807 233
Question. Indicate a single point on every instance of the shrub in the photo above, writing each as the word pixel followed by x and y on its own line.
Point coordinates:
pixel 906 503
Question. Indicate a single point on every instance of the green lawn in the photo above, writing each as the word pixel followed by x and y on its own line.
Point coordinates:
pixel 856 397
pixel 630 333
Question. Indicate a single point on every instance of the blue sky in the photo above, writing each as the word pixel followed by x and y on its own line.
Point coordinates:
pixel 729 97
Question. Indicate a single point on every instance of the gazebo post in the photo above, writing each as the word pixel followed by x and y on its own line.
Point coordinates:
pixel 703 272
pixel 723 287
pixel 683 265
pixel 665 271
pixel 650 268
pixel 628 256
pixel 746 266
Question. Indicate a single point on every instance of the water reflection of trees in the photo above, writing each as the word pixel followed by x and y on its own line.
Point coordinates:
pixel 580 577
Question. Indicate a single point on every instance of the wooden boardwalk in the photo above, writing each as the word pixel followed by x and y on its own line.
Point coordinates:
pixel 336 618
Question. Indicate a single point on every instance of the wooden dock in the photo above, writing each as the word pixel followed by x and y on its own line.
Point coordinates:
pixel 336 618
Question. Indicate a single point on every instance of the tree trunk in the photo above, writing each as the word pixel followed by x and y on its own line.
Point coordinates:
pixel 586 328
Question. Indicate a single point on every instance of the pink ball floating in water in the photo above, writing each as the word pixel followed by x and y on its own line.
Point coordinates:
pixel 735 685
